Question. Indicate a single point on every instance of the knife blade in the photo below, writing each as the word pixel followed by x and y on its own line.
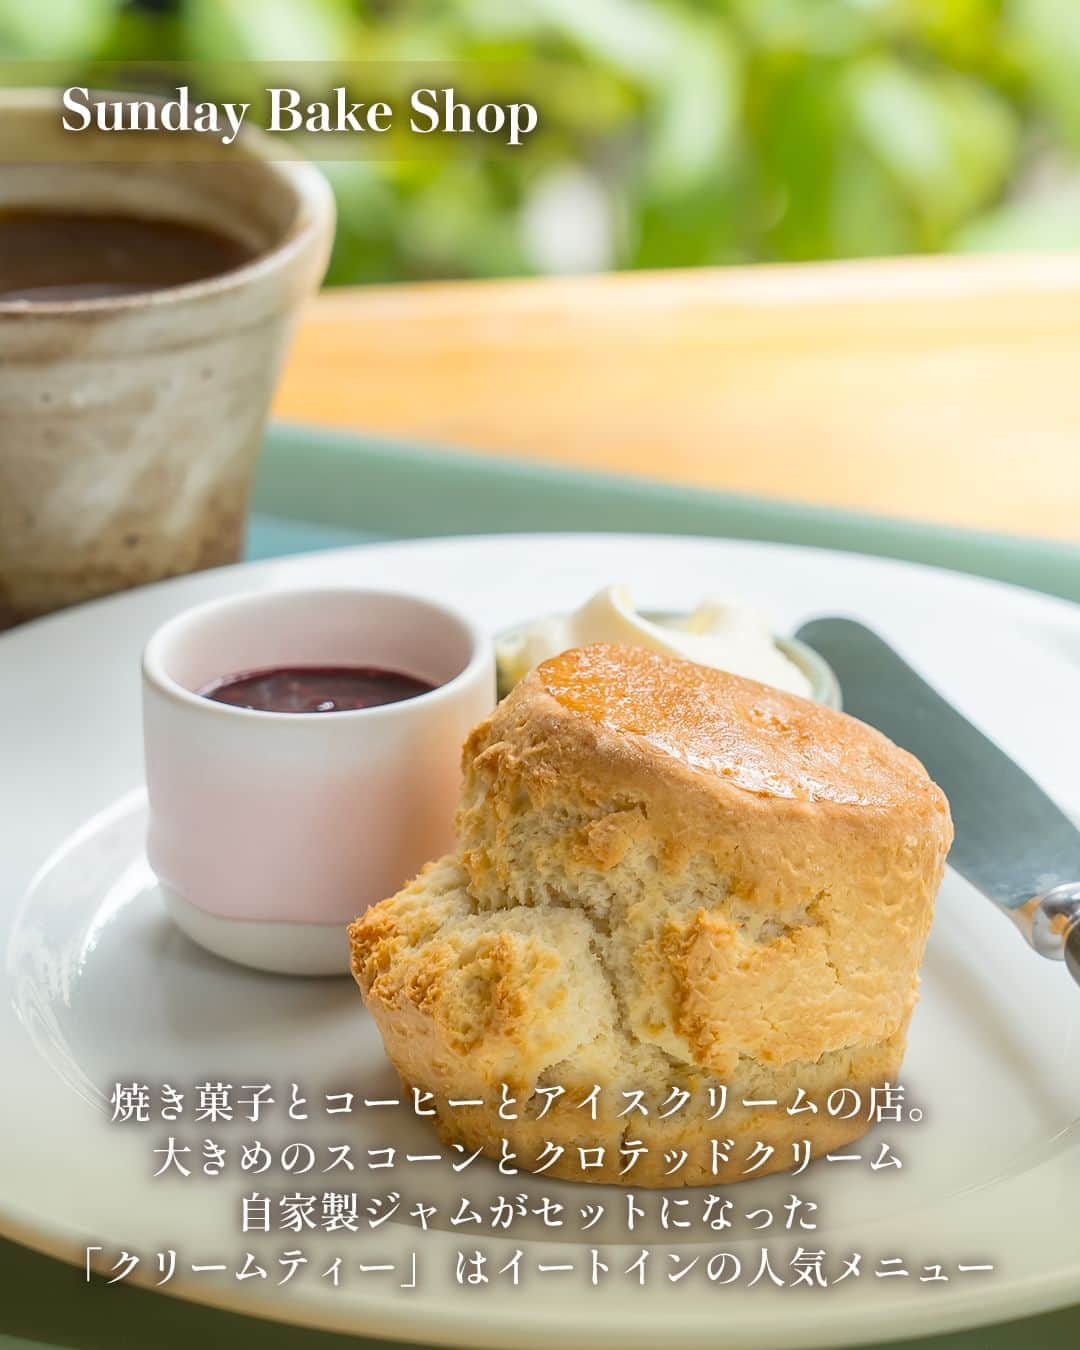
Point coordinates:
pixel 1012 842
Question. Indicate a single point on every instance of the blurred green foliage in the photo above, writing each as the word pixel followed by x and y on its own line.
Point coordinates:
pixel 678 132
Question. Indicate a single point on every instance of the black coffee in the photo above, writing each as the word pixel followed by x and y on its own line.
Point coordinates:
pixel 52 255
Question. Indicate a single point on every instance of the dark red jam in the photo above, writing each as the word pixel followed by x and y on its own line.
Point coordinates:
pixel 314 689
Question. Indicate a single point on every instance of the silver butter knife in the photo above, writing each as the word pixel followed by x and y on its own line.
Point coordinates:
pixel 1012 842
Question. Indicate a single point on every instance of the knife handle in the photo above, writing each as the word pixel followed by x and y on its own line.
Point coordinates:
pixel 1051 924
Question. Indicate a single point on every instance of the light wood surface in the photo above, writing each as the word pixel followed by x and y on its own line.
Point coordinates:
pixel 945 389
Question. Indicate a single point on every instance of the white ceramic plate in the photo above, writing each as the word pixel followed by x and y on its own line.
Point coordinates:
pixel 96 987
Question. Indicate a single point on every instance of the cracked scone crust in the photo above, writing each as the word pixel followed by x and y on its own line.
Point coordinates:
pixel 467 1000
pixel 668 877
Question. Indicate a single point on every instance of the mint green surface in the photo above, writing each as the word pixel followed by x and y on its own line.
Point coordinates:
pixel 383 490
pixel 320 490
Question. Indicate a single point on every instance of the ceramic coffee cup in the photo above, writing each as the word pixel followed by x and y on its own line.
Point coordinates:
pixel 270 831
pixel 132 424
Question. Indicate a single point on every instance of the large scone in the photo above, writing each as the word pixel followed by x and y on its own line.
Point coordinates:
pixel 670 879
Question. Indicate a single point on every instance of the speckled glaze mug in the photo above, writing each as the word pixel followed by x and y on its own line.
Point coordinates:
pixel 131 424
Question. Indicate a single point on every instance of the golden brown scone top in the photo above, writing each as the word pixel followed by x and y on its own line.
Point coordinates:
pixel 757 738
